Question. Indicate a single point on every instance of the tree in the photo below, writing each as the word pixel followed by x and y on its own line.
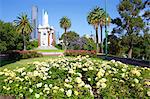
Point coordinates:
pixel 9 38
pixel 97 17
pixel 132 23
pixel 93 19
pixel 103 22
pixel 69 37
pixel 82 43
pixel 65 23
pixel 24 27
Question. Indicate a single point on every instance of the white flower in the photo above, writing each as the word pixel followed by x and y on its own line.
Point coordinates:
pixel 121 81
pixel 100 73
pixel 90 68
pixel 147 83
pixel 30 90
pixel 37 95
pixel 35 73
pixel 41 93
pixel 76 92
pixel 20 70
pixel 148 93
pixel 87 56
pixel 44 78
pixel 54 91
pixel 103 80
pixel 123 75
pixel 113 61
pixel 4 87
pixel 8 88
pixel 50 72
pixel 47 92
pixel 69 92
pixel 81 84
pixel 84 69
pixel 68 85
pixel 39 85
pixel 66 80
pixel 55 87
pixel 97 84
pixel 78 80
pixel 136 80
pixel 88 86
pixel 1 73
pixel 124 70
pixel 26 77
pixel 50 85
pixel 24 73
pixel 79 66
pixel 36 63
pixel 45 85
pixel 61 89
pixel 91 92
pixel 103 85
pixel 79 74
pixel 136 72
pixel 44 69
pixel 10 81
pixel 89 79
pixel 132 85
pixel 71 71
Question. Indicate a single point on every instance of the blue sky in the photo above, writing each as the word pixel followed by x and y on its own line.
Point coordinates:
pixel 76 10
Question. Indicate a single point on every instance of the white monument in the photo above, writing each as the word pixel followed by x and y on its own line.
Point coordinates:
pixel 45 32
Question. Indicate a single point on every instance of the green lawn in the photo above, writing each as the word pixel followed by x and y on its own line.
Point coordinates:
pixel 24 62
pixel 50 50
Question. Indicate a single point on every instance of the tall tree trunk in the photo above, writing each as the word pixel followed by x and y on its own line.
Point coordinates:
pixel 130 49
pixel 97 46
pixel 65 30
pixel 101 28
pixel 130 53
pixel 65 39
pixel 24 42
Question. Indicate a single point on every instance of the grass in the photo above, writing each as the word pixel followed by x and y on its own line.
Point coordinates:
pixel 50 50
pixel 24 62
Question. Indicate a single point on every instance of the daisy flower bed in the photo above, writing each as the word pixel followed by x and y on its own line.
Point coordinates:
pixel 76 78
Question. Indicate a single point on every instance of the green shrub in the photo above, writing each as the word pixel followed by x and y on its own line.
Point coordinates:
pixel 32 44
pixel 28 54
pixel 59 46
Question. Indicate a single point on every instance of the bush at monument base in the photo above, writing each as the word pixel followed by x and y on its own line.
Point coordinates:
pixel 75 78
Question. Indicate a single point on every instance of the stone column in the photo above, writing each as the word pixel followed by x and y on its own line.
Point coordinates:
pixel 48 38
pixel 53 43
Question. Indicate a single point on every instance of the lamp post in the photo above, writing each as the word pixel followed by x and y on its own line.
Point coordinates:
pixel 106 34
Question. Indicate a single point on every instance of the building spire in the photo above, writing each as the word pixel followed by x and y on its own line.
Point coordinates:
pixel 45 18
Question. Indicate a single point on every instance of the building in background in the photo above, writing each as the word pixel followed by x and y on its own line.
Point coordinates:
pixel 34 19
pixel 46 36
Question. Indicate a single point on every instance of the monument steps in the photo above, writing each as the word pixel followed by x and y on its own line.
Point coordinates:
pixel 46 48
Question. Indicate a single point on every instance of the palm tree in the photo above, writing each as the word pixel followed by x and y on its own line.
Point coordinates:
pixel 93 19
pixel 23 26
pixel 102 23
pixel 65 23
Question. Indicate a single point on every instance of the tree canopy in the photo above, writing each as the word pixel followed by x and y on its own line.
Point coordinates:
pixel 65 23
pixel 23 26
